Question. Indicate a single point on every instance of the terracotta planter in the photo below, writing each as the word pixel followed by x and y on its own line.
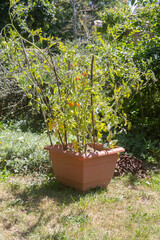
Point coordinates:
pixel 83 171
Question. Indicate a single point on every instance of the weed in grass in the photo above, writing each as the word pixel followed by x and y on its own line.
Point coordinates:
pixel 74 219
pixel 108 200
pixel 4 175
pixel 58 236
pixel 153 181
pixel 142 234
pixel 137 216
pixel 14 187
pixel 133 180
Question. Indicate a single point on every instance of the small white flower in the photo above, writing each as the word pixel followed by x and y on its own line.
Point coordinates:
pixel 98 23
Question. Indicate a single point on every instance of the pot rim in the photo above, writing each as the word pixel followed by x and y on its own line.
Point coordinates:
pixel 82 156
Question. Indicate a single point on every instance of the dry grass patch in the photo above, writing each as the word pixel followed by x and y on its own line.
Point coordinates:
pixel 33 208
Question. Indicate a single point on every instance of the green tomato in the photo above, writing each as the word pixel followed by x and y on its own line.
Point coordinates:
pixel 119 73
pixel 29 104
pixel 29 95
pixel 43 107
pixel 38 90
pixel 4 43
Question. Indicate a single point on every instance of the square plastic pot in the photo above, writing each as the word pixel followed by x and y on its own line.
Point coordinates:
pixel 84 171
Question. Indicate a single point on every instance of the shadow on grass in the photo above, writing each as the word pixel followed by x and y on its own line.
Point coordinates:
pixel 30 198
pixel 30 229
pixel 60 194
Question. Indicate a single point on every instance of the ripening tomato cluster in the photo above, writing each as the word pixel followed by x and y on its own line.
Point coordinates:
pixel 71 104
pixel 85 74
pixel 73 66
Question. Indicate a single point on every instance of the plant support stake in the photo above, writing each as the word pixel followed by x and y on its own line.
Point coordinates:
pixel 92 112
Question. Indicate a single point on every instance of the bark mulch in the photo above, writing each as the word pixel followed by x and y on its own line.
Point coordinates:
pixel 130 164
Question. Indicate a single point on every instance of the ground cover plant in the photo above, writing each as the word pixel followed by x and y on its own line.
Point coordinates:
pixel 23 152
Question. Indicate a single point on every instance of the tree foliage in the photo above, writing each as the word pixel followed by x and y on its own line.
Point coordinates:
pixel 54 17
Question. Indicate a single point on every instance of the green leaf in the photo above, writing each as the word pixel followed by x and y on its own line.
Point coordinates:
pixel 51 45
pixel 32 53
pixel 133 2
pixel 47 68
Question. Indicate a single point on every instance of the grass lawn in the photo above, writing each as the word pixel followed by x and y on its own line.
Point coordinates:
pixel 33 207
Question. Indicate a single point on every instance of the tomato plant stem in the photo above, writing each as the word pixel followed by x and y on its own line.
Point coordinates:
pixel 35 79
